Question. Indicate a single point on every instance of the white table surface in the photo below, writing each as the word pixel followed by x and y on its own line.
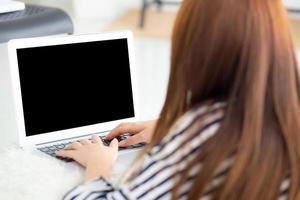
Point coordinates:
pixel 24 175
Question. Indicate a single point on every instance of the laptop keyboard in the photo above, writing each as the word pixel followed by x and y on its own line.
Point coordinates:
pixel 50 150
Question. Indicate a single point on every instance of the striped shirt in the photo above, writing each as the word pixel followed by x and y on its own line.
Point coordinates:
pixel 161 167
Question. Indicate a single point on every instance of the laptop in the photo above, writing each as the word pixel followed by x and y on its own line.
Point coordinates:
pixel 67 88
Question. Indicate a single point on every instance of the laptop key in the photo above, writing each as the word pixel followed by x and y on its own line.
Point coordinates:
pixel 52 148
pixel 60 147
pixel 105 142
pixel 139 145
pixel 43 149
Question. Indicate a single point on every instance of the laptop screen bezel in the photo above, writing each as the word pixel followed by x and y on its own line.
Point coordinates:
pixel 13 45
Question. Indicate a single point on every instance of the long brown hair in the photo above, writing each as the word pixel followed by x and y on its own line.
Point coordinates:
pixel 240 52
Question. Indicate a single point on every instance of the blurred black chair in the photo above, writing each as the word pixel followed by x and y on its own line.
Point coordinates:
pixel 147 3
pixel 34 21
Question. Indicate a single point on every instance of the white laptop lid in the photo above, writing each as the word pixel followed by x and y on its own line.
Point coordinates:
pixel 71 86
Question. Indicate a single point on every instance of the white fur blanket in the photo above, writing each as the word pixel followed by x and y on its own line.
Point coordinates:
pixel 29 177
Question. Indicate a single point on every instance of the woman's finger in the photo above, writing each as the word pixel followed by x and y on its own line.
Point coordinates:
pixel 85 142
pixel 96 139
pixel 73 146
pixel 114 144
pixel 131 141
pixel 132 128
pixel 65 153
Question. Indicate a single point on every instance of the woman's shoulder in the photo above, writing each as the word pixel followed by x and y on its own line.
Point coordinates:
pixel 194 128
pixel 202 112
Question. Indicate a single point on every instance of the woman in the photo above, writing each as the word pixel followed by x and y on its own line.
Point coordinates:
pixel 230 125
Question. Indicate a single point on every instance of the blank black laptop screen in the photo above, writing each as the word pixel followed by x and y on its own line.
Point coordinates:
pixel 74 85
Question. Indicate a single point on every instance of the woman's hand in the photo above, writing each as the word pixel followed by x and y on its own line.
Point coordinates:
pixel 97 158
pixel 142 132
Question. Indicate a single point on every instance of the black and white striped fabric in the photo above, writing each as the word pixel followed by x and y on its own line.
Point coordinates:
pixel 160 168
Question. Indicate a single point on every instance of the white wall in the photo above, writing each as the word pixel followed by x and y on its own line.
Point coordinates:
pixel 86 9
pixel 294 4
pixel 105 9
